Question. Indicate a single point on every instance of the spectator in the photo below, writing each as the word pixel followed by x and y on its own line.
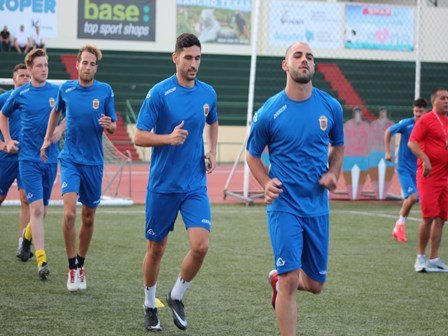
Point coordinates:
pixel 21 41
pixel 38 41
pixel 5 38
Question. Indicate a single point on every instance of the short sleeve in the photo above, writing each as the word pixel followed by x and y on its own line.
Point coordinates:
pixel 420 130
pixel 259 134
pixel 60 103
pixel 212 117
pixel 110 105
pixel 147 117
pixel 336 133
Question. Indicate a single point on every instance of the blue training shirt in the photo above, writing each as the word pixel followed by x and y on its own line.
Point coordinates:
pixel 298 135
pixel 34 105
pixel 407 161
pixel 178 169
pixel 82 107
pixel 14 128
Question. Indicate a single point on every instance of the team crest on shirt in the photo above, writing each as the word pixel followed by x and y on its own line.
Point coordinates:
pixel 323 123
pixel 96 104
pixel 51 102
pixel 206 109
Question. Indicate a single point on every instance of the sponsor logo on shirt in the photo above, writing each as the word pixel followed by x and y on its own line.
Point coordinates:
pixel 70 89
pixel 206 109
pixel 170 90
pixel 280 262
pixel 24 91
pixel 51 102
pixel 96 104
pixel 323 123
pixel 280 111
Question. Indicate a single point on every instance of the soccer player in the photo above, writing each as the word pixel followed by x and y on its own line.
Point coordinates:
pixel 89 108
pixel 406 166
pixel 429 142
pixel 298 125
pixel 171 120
pixel 9 163
pixel 34 102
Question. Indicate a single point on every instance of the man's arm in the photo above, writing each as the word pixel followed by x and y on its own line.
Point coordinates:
pixel 107 124
pixel 271 187
pixel 11 145
pixel 150 139
pixel 51 126
pixel 330 178
pixel 212 140
pixel 387 137
pixel 415 148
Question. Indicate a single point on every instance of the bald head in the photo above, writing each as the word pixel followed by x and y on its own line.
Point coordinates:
pixel 302 46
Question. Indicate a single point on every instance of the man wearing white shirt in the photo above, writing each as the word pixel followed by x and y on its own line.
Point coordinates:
pixel 21 42
pixel 38 41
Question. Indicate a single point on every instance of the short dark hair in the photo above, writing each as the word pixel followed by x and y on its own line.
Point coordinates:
pixel 18 67
pixel 186 40
pixel 434 92
pixel 420 102
pixel 29 58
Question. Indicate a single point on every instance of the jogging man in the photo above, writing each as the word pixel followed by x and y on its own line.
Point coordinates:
pixel 429 142
pixel 171 120
pixel 9 163
pixel 34 100
pixel 298 124
pixel 89 108
pixel 406 167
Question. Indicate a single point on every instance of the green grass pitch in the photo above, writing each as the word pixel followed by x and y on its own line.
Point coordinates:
pixel 371 288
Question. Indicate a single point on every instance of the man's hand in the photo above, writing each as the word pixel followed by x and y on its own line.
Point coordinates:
pixel 12 146
pixel 272 190
pixel 179 135
pixel 426 167
pixel 388 156
pixel 106 122
pixel 210 162
pixel 47 143
pixel 328 181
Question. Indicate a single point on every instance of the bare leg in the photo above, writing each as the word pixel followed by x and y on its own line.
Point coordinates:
pixel 199 242
pixel 436 237
pixel 424 233
pixel 86 230
pixel 152 260
pixel 68 223
pixel 37 213
pixel 24 215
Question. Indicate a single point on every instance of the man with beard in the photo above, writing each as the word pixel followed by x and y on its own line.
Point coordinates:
pixel 298 125
pixel 172 120
pixel 89 108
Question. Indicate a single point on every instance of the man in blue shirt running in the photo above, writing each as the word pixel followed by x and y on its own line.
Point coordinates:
pixel 406 166
pixel 89 108
pixel 171 120
pixel 9 163
pixel 298 125
pixel 34 102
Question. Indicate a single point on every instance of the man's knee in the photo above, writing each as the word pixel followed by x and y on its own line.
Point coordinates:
pixel 155 251
pixel 200 249
pixel 69 215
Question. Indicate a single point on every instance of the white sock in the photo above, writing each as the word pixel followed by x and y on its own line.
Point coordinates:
pixel 420 255
pixel 434 260
pixel 178 291
pixel 402 220
pixel 20 241
pixel 150 296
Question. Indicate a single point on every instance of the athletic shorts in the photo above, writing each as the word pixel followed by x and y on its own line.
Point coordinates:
pixel 434 200
pixel 38 179
pixel 84 180
pixel 300 243
pixel 9 172
pixel 162 210
pixel 407 182
pixel 375 159
pixel 350 161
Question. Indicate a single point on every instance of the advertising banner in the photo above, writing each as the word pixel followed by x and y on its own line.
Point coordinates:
pixel 132 20
pixel 215 21
pixel 320 24
pixel 31 14
pixel 379 27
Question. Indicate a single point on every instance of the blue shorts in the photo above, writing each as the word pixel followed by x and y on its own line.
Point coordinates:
pixel 407 182
pixel 300 243
pixel 375 158
pixel 350 161
pixel 9 172
pixel 162 210
pixel 38 179
pixel 84 180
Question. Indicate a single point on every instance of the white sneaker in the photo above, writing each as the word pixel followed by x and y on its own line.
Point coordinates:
pixel 436 266
pixel 420 263
pixel 82 280
pixel 72 280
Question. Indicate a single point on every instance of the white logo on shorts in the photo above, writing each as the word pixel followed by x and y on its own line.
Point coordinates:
pixel 206 221
pixel 29 195
pixel 151 232
pixel 97 201
pixel 64 185
pixel 280 262
pixel 324 272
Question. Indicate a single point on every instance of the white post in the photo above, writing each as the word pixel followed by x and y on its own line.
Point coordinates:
pixel 250 98
pixel 418 45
